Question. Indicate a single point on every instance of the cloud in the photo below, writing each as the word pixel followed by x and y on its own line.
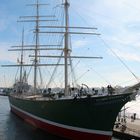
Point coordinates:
pixel 115 19
pixel 3 24
pixel 5 17
pixel 80 43
pixel 129 56
pixel 4 54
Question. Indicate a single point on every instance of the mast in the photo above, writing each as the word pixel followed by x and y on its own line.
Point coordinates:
pixel 21 59
pixel 36 47
pixel 66 43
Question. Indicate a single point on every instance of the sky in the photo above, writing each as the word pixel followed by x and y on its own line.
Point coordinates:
pixel 118 22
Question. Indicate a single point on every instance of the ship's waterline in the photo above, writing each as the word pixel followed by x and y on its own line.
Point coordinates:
pixel 63 117
pixel 13 128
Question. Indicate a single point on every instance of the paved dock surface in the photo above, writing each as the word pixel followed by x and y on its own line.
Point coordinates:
pixel 129 130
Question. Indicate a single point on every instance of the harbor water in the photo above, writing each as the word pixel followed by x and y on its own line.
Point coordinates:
pixel 13 128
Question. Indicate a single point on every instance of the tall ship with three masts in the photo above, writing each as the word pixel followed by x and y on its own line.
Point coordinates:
pixel 73 111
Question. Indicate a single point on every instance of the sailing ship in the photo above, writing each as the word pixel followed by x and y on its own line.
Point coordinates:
pixel 76 113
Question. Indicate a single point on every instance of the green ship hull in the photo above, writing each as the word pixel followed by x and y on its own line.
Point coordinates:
pixel 77 118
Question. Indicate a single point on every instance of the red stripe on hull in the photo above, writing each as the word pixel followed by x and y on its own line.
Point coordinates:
pixel 62 132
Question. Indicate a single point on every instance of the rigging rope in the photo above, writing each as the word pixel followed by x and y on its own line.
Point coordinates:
pixel 120 60
pixel 124 64
pixel 16 74
pixel 101 77
pixel 53 73
pixel 82 75
pixel 57 40
pixel 41 79
pixel 72 71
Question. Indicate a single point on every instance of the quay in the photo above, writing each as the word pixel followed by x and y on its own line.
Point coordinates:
pixel 5 91
pixel 127 130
